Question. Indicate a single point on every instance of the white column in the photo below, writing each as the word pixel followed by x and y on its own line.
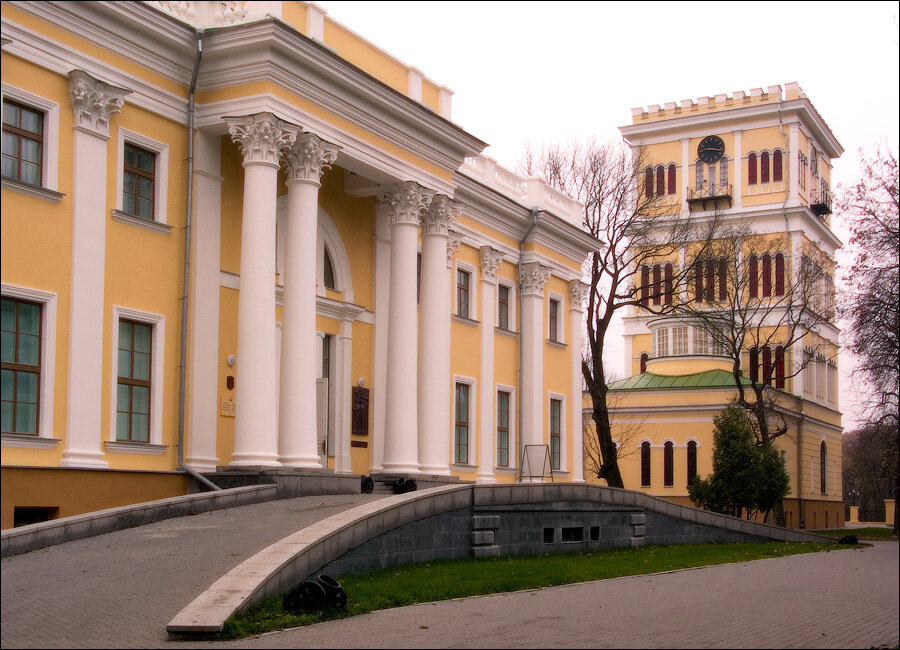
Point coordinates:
pixel 307 159
pixel 578 292
pixel 793 165
pixel 382 243
pixel 404 204
pixel 341 387
pixel 533 277
pixel 93 102
pixel 204 387
pixel 738 169
pixel 262 138
pixel 491 261
pixel 434 339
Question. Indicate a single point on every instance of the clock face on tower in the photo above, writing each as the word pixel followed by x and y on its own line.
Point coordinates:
pixel 711 148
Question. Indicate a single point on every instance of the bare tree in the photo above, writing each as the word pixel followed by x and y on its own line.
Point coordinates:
pixel 639 227
pixel 870 467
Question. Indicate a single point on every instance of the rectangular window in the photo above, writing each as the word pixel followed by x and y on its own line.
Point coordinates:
pixel 23 143
pixel 554 320
pixel 555 433
pixel 661 343
pixel 133 387
pixel 679 340
pixel 701 341
pixel 462 292
pixel 503 307
pixel 461 432
pixel 502 429
pixel 139 182
pixel 21 367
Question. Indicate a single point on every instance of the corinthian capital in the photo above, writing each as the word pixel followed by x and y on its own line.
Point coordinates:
pixel 404 203
pixel 453 241
pixel 94 102
pixel 533 277
pixel 262 137
pixel 440 216
pixel 309 157
pixel 578 291
pixel 491 261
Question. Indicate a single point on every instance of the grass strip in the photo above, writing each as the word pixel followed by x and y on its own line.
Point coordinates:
pixel 446 579
pixel 869 534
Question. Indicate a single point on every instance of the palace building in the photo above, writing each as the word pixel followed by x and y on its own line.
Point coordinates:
pixel 239 236
pixel 760 164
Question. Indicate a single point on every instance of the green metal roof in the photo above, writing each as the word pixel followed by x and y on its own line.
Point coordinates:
pixel 707 379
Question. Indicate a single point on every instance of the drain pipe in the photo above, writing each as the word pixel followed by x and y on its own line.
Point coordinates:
pixel 534 219
pixel 186 281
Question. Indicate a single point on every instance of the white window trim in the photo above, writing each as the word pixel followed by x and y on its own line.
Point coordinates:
pixel 563 438
pixel 160 171
pixel 560 318
pixel 47 301
pixel 50 162
pixel 502 282
pixel 157 349
pixel 473 284
pixel 513 456
pixel 470 443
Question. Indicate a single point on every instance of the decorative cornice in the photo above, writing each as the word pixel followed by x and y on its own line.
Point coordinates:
pixel 404 202
pixel 440 216
pixel 578 291
pixel 453 241
pixel 309 157
pixel 94 102
pixel 533 277
pixel 263 137
pixel 491 261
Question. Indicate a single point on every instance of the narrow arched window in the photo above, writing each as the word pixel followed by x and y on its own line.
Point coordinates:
pixel 776 166
pixel 779 274
pixel 660 180
pixel 668 288
pixel 823 468
pixel 657 283
pixel 751 169
pixel 691 461
pixel 645 285
pixel 645 464
pixel 648 182
pixel 672 179
pixel 754 277
pixel 699 174
pixel 723 278
pixel 710 281
pixel 328 272
pixel 767 365
pixel 766 276
pixel 754 365
pixel 669 464
pixel 698 281
pixel 644 358
pixel 723 173
pixel 764 167
pixel 779 367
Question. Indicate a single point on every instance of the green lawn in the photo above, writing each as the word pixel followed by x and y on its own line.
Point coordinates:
pixel 444 579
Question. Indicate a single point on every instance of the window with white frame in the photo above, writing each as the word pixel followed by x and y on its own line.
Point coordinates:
pixel 30 139
pixel 660 343
pixel 503 404
pixel 556 427
pixel 553 319
pixel 463 418
pixel 680 340
pixel 505 307
pixel 142 178
pixel 465 291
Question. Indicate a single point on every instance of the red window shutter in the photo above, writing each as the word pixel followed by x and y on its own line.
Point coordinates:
pixel 779 274
pixel 764 167
pixel 668 286
pixel 671 179
pixel 723 278
pixel 648 182
pixel 751 169
pixel 766 276
pixel 776 166
pixel 691 461
pixel 710 281
pixel 754 277
pixel 657 283
pixel 698 281
pixel 754 365
pixel 645 285
pixel 660 181
pixel 767 365
pixel 645 464
pixel 779 367
pixel 669 464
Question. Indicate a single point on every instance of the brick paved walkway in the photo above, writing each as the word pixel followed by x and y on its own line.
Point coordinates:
pixel 120 590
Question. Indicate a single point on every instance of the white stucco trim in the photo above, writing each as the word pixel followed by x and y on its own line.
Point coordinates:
pixel 50 162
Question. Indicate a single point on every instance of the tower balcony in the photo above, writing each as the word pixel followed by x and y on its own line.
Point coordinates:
pixel 710 196
pixel 820 203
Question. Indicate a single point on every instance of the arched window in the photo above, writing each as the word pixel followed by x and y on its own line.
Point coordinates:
pixel 764 167
pixel 645 285
pixel 779 367
pixel 667 287
pixel 657 284
pixel 699 174
pixel 660 180
pixel 754 277
pixel 767 365
pixel 754 365
pixel 645 464
pixel 328 271
pixel 779 274
pixel 669 464
pixel 751 169
pixel 766 276
pixel 723 276
pixel 710 281
pixel 691 461
pixel 672 178
pixel 698 281
pixel 776 166
pixel 648 182
pixel 723 173
pixel 823 468
pixel 644 358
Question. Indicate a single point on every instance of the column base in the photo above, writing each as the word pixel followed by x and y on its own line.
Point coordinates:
pixel 435 470
pixel 302 462
pixel 253 460
pixel 399 468
pixel 201 464
pixel 87 459
pixel 485 479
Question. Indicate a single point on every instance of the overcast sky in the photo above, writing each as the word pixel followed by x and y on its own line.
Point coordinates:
pixel 546 72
